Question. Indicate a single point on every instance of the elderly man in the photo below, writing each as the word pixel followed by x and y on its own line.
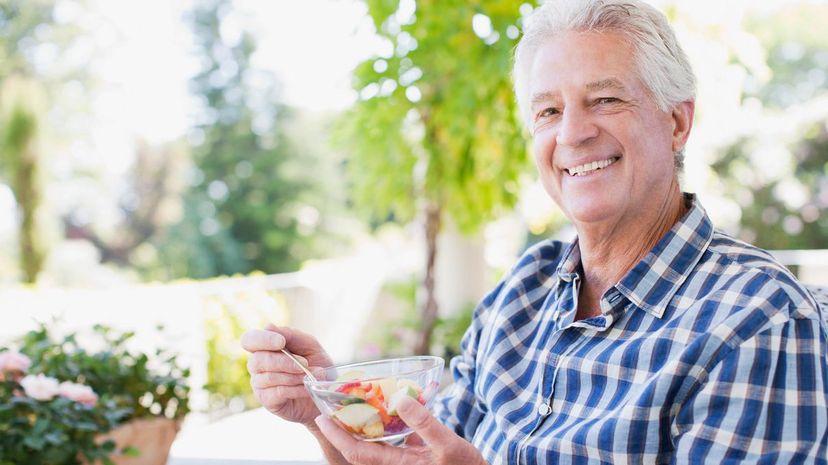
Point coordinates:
pixel 652 337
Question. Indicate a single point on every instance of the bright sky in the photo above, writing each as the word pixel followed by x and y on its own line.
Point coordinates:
pixel 311 46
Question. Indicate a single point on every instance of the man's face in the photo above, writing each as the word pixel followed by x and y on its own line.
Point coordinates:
pixel 590 110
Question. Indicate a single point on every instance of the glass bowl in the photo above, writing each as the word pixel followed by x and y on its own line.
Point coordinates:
pixel 362 397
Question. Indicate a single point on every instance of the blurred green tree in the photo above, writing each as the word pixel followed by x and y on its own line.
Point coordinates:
pixel 253 202
pixel 435 131
pixel 27 26
pixel 18 21
pixel 19 121
pixel 786 209
pixel 786 213
pixel 149 203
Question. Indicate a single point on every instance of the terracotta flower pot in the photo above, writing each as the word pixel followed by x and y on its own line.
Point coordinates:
pixel 152 437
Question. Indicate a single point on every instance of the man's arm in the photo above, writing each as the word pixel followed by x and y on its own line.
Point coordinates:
pixel 458 407
pixel 766 401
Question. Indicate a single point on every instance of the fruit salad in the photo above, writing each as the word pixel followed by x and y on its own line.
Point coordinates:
pixel 370 407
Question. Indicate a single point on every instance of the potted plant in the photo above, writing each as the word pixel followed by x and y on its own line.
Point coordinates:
pixel 44 422
pixel 138 408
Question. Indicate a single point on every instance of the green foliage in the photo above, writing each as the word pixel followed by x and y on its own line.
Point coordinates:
pixel 390 333
pixel 436 129
pixel 56 432
pixel 18 20
pixel 20 164
pixel 436 120
pixel 227 317
pixel 797 54
pixel 126 377
pixel 19 130
pixel 787 208
pixel 251 202
pixel 227 376
pixel 768 219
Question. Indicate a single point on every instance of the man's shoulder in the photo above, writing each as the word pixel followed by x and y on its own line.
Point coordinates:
pixel 531 273
pixel 749 269
pixel 543 257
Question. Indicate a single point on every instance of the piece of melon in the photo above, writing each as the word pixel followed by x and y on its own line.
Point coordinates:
pixel 356 416
pixel 406 391
pixel 388 386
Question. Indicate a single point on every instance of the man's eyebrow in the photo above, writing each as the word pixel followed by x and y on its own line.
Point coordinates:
pixel 542 97
pixel 609 83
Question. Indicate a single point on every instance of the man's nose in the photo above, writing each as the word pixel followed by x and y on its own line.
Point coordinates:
pixel 576 128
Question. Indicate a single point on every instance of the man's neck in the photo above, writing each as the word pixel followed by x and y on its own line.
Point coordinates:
pixel 606 259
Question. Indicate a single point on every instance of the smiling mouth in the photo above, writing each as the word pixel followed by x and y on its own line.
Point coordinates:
pixel 589 168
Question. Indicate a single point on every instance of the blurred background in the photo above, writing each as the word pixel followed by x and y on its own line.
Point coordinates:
pixel 353 168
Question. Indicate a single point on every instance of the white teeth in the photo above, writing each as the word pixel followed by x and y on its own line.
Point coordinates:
pixel 587 168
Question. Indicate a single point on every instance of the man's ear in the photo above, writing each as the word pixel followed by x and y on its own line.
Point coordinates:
pixel 682 123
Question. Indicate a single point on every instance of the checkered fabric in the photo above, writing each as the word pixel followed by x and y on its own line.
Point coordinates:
pixel 820 293
pixel 707 351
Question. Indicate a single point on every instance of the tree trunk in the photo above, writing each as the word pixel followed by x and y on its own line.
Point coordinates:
pixel 28 194
pixel 429 303
pixel 18 152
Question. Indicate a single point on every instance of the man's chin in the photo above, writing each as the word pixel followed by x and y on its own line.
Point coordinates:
pixel 591 213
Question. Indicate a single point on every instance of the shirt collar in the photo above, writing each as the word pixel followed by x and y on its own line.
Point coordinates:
pixel 571 262
pixel 653 281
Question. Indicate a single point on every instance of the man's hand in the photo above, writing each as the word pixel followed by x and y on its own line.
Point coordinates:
pixel 436 443
pixel 276 381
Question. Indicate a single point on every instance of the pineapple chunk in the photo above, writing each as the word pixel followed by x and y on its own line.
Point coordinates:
pixel 373 430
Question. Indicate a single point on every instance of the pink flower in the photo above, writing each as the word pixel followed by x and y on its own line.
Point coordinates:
pixel 40 387
pixel 78 392
pixel 372 350
pixel 14 362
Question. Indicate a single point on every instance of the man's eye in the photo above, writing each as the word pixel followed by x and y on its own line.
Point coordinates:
pixel 603 100
pixel 547 112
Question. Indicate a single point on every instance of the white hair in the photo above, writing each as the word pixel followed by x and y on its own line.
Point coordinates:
pixel 662 65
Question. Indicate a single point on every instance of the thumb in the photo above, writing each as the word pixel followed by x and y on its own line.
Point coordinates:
pixel 422 422
pixel 296 341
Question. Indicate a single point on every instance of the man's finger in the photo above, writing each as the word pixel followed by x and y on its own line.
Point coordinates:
pixel 297 341
pixel 281 394
pixel 261 339
pixel 413 440
pixel 263 361
pixel 422 422
pixel 359 452
pixel 269 379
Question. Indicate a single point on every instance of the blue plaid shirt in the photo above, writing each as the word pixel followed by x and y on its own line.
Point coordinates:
pixel 706 351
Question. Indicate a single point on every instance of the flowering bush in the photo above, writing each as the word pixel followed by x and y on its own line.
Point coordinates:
pixel 57 399
pixel 127 377
pixel 43 421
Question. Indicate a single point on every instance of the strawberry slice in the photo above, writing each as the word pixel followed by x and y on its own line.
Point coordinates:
pixel 347 387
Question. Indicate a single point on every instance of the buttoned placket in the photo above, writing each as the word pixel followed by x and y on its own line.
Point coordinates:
pixel 544 408
pixel 608 305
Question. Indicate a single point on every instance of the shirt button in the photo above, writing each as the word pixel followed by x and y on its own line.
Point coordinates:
pixel 544 409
